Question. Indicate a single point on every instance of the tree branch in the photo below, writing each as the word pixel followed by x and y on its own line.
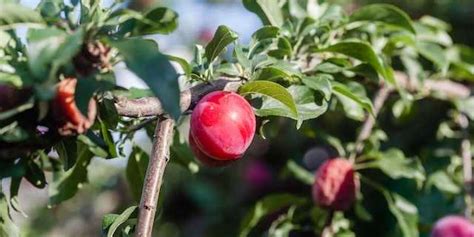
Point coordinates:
pixel 154 177
pixel 151 106
pixel 444 88
pixel 466 156
pixel 369 123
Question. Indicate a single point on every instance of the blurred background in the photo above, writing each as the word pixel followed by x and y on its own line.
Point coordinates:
pixel 214 202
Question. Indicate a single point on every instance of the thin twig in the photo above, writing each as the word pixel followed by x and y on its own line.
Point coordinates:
pixel 467 164
pixel 369 123
pixel 141 125
pixel 154 177
pixel 441 87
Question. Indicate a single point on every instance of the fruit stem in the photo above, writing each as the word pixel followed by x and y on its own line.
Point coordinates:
pixel 154 177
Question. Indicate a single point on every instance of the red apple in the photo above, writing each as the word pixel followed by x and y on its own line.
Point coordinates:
pixel 453 226
pixel 335 186
pixel 70 119
pixel 223 125
pixel 203 158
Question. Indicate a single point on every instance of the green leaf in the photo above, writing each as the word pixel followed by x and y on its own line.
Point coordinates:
pixel 51 48
pixel 35 175
pixel 51 8
pixel 320 82
pixel 363 52
pixel 442 181
pixel 265 207
pixel 108 139
pixel 85 89
pixel 266 32
pixel 136 169
pixel 108 113
pixel 428 33
pixel 66 184
pixel 404 212
pixel 305 104
pixel 284 224
pixel 116 220
pixel 7 227
pixel 67 151
pixel 384 13
pixel 145 60
pixel 268 10
pixel 107 221
pixel 272 73
pixel 94 143
pixel 351 95
pixel 284 49
pixel 15 14
pixel 272 90
pixel 299 172
pixel 394 164
pixel 92 12
pixel 435 23
pixel 365 70
pixel 160 20
pixel 222 38
pixel 183 63
pixel 434 53
pixel 241 54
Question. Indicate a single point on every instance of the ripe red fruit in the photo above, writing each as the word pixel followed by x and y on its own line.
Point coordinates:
pixel 453 226
pixel 203 158
pixel 223 125
pixel 71 120
pixel 335 186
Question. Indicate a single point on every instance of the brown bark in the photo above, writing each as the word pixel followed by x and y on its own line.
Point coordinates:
pixel 154 177
pixel 151 106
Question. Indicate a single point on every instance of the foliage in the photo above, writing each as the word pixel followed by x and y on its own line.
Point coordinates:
pixel 310 63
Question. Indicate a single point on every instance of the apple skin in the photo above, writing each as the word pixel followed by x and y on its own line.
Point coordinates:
pixel 223 125
pixel 205 159
pixel 69 118
pixel 336 185
pixel 453 226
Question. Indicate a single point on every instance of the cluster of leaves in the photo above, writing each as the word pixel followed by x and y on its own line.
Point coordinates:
pixel 309 59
